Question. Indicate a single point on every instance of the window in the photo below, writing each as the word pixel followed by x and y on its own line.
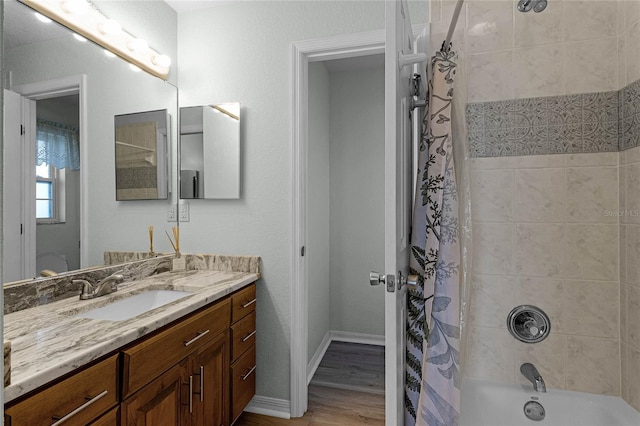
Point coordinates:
pixel 56 150
pixel 49 194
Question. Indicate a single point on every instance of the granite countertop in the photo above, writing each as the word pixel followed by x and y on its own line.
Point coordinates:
pixel 49 341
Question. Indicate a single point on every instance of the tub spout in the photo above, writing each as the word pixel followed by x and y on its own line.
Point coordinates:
pixel 531 373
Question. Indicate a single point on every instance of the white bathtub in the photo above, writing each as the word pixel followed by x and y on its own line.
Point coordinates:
pixel 492 404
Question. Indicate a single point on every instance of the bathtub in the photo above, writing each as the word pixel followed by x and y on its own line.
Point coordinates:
pixel 492 404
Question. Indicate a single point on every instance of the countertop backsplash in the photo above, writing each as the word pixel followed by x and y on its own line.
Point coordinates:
pixel 134 266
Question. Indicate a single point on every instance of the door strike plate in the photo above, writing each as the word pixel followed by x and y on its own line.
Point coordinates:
pixel 391 283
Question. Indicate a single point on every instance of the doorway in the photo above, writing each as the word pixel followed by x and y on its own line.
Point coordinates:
pixel 62 102
pixel 58 215
pixel 345 224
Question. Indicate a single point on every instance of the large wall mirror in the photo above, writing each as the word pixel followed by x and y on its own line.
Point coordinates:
pixel 210 151
pixel 56 84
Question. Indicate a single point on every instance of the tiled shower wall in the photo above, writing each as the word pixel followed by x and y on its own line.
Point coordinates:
pixel 630 275
pixel 547 229
pixel 545 233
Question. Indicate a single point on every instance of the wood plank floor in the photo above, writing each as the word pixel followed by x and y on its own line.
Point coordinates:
pixel 347 389
pixel 329 406
pixel 352 366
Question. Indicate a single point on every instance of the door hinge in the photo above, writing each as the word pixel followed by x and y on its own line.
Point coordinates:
pixel 22 129
pixel 21 230
pixel 302 251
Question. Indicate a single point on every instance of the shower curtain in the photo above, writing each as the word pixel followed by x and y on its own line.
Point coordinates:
pixel 432 385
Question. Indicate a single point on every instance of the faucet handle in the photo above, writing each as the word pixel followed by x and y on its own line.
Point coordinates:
pixel 87 288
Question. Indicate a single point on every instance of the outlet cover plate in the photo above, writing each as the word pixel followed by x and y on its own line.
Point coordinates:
pixel 183 210
pixel 172 213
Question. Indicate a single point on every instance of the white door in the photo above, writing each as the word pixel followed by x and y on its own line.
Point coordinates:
pixel 399 38
pixel 16 224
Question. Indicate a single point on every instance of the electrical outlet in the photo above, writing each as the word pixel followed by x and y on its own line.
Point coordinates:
pixel 171 213
pixel 184 211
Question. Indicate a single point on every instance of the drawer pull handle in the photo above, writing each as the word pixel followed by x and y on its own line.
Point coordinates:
pixel 91 400
pixel 190 394
pixel 201 374
pixel 246 376
pixel 249 303
pixel 199 335
pixel 249 336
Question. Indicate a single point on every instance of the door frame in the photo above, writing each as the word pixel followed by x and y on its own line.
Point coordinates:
pixel 71 85
pixel 303 52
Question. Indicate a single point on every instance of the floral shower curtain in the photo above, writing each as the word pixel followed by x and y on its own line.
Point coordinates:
pixel 57 145
pixel 432 389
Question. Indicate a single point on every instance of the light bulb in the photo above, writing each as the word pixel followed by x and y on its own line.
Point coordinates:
pixel 77 7
pixel 109 26
pixel 42 18
pixel 161 60
pixel 138 45
pixel 79 37
pixel 134 68
pixel 109 53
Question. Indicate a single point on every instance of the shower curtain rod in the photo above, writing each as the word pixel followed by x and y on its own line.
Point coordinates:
pixel 446 44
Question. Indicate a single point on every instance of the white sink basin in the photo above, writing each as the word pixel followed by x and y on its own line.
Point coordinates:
pixel 134 305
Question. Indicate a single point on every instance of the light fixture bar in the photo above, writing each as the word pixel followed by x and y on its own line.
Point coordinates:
pixel 86 20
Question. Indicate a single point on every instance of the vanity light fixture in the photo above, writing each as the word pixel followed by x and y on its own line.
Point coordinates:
pixel 83 18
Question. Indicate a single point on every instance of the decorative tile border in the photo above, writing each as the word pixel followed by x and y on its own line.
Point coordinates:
pixel 629 120
pixel 591 122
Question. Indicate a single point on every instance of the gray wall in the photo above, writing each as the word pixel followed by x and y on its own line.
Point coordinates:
pixel 318 208
pixel 357 199
pixel 241 51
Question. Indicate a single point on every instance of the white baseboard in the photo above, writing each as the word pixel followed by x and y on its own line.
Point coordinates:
pixel 272 407
pixel 313 364
pixel 366 339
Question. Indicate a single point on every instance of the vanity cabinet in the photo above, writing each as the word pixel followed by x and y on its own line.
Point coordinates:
pixel 79 399
pixel 199 370
pixel 243 349
pixel 192 391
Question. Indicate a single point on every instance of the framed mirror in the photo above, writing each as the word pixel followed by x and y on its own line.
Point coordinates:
pixel 210 151
pixel 142 163
pixel 58 78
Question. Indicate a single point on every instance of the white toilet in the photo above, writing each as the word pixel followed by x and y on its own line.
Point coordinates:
pixel 51 260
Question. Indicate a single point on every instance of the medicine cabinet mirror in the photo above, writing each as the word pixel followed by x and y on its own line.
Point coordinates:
pixel 210 151
pixel 142 166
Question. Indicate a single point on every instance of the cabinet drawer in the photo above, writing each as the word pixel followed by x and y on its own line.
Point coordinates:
pixel 243 335
pixel 243 382
pixel 243 302
pixel 80 398
pixel 150 358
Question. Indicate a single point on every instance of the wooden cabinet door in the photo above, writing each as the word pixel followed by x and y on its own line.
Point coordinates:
pixel 108 419
pixel 209 369
pixel 163 402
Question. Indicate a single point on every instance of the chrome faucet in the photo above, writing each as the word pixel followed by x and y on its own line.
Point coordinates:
pixel 107 286
pixel 531 373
